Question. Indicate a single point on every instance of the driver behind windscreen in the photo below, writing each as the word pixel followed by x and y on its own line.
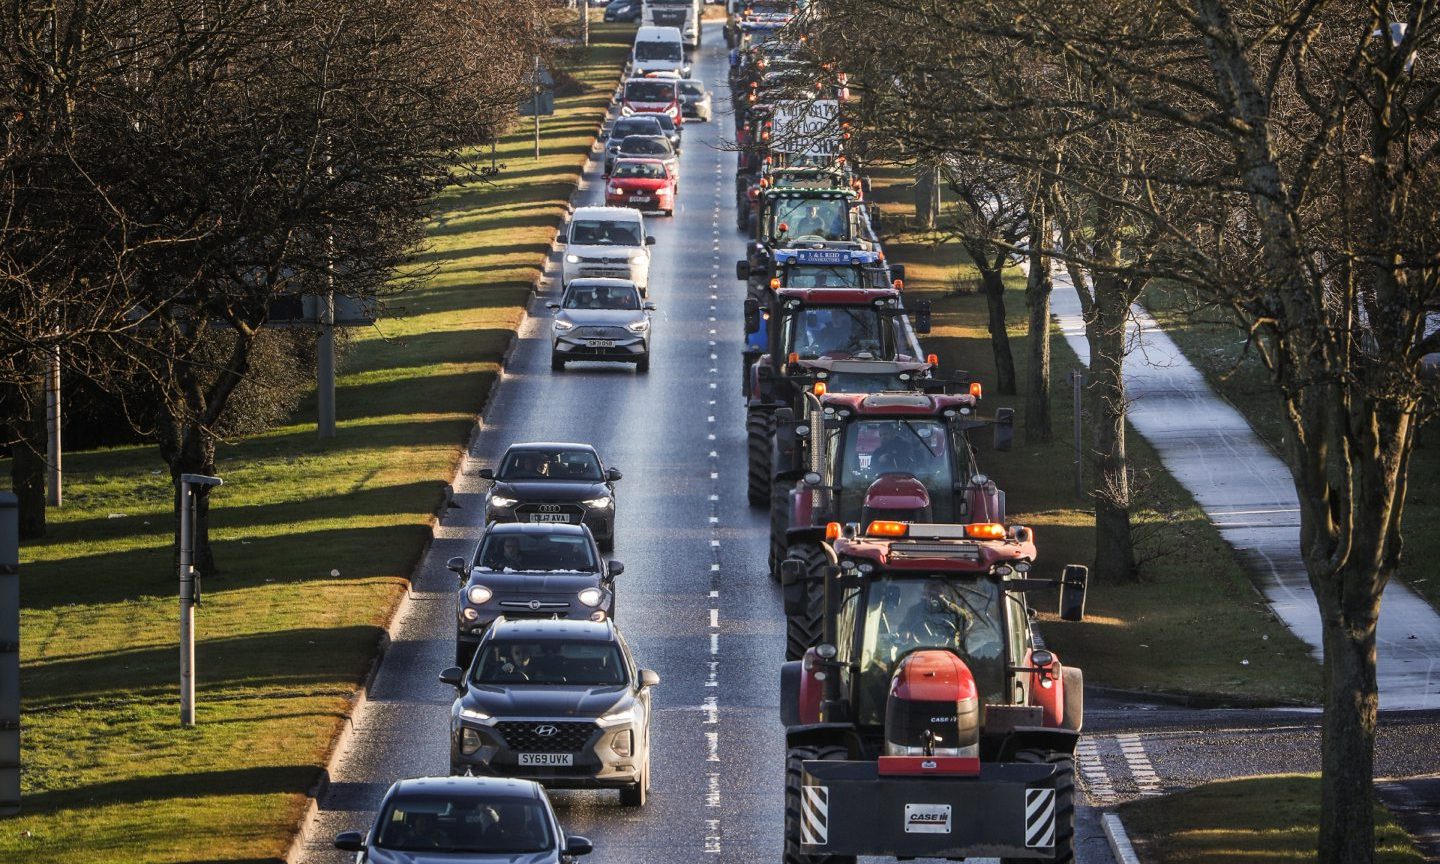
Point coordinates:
pixel 812 223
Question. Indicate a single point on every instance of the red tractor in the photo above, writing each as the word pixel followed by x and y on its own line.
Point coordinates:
pixel 904 456
pixel 930 721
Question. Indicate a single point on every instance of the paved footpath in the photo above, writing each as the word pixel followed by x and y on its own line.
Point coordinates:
pixel 1249 496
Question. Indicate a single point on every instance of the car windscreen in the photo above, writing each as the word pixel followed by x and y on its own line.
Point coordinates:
pixel 535 553
pixel 907 615
pixel 439 824
pixel 666 122
pixel 551 663
pixel 648 170
pixel 558 464
pixel 659 51
pixel 635 126
pixel 604 232
pixel 582 296
pixel 650 91
pixel 645 145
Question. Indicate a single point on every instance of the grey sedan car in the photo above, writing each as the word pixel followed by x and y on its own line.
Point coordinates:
pixel 695 100
pixel 601 319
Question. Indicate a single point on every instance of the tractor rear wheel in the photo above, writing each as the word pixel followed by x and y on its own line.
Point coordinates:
pixel 779 522
pixel 803 631
pixel 759 429
pixel 796 811
pixel 1061 819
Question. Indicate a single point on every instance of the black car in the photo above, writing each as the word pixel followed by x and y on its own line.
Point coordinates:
pixel 520 570
pixel 558 702
pixel 637 124
pixel 559 484
pixel 433 819
pixel 622 10
pixel 646 147
pixel 695 100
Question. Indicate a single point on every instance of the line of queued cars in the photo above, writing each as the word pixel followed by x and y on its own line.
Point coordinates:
pixel 548 692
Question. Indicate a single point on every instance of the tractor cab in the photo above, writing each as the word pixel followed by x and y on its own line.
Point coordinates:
pixel 929 684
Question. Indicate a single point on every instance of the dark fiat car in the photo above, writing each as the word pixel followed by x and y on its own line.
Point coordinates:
pixel 558 484
pixel 523 571
pixel 559 702
pixel 435 819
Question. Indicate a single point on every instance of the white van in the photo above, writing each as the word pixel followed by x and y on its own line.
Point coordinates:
pixel 607 242
pixel 658 49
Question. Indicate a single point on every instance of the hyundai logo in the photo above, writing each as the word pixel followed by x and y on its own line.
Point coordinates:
pixel 534 604
pixel 546 731
pixel 549 508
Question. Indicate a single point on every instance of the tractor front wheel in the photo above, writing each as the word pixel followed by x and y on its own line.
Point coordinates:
pixel 759 429
pixel 807 820
pixel 804 630
pixel 1057 822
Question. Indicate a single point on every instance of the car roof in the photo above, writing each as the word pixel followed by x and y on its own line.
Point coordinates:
pixel 560 528
pixel 553 630
pixel 552 445
pixel 603 281
pixel 620 213
pixel 478 787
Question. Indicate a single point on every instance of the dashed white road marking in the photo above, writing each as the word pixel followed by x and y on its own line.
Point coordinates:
pixel 1139 764
pixel 1098 788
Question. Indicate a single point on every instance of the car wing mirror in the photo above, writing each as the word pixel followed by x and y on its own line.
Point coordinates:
pixel 349 841
pixel 649 678
pixel 577 845
pixel 457 566
pixel 454 676
pixel 649 241
pixel 649 307
pixel 612 474
pixel 1072 592
pixel 486 474
pixel 613 569
pixel 1004 429
pixel 922 317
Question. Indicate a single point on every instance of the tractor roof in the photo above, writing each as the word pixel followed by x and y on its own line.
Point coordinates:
pixel 837 296
pixel 827 257
pixel 901 404
pixel 864 367
pixel 938 548
pixel 804 192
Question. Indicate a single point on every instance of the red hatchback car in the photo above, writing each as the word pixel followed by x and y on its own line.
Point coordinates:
pixel 645 184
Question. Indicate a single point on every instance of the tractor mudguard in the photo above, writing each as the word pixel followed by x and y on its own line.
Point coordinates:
pixel 805 534
pixel 1037 738
pixel 820 735
pixel 1008 811
pixel 799 697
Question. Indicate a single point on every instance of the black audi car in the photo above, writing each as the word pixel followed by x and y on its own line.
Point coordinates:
pixel 521 571
pixel 558 702
pixel 557 484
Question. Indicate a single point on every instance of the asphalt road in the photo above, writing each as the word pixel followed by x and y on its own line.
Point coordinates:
pixel 694 601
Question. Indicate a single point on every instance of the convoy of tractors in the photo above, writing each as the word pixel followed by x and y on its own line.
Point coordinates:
pixel 924 716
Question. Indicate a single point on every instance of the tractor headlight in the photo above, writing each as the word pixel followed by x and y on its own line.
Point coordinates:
pixel 598 503
pixel 503 501
pixel 591 597
pixel 479 595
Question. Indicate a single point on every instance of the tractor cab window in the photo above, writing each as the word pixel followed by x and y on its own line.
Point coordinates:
pixel 905 615
pixel 865 382
pixel 812 276
pixel 823 218
pixel 838 332
pixel 922 448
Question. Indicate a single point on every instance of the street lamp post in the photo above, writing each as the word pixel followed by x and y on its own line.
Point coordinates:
pixel 188 595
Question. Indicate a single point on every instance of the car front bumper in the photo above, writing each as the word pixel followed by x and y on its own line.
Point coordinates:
pixel 597 764
pixel 600 521
pixel 627 350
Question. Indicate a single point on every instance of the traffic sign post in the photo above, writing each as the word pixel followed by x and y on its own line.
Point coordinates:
pixel 189 596
pixel 9 654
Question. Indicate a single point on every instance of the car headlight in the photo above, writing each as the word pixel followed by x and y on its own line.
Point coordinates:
pixel 626 110
pixel 559 325
pixel 597 503
pixel 472 714
pixel 572 259
pixel 623 742
pixel 639 326
pixel 619 717
pixel 592 596
pixel 615 190
pixel 637 260
pixel 501 500
pixel 469 741
pixel 479 595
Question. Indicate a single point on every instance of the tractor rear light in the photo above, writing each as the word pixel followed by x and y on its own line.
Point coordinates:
pixel 775 284
pixel 975 389
pixel 819 388
pixel 932 359
pixel 832 530
pixel 985 531
pixel 880 528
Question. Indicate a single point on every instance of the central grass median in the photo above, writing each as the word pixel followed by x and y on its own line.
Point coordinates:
pixel 314 540
pixel 1193 624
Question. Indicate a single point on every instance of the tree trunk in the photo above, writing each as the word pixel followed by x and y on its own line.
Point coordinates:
pixel 28 461
pixel 1105 331
pixel 1347 825
pixel 1038 428
pixel 927 196
pixel 993 284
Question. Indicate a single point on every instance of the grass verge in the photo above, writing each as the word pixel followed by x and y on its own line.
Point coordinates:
pixel 1194 624
pixel 1271 819
pixel 1217 347
pixel 315 541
